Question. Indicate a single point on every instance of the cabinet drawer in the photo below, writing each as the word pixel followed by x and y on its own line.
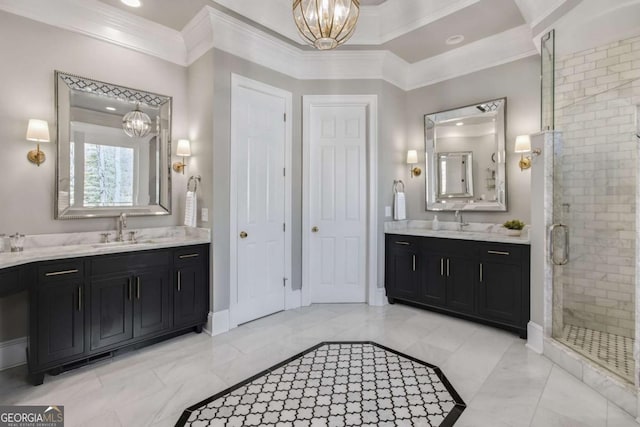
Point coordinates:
pixel 60 270
pixel 502 253
pixel 396 240
pixel 189 254
pixel 9 281
pixel 450 247
pixel 114 264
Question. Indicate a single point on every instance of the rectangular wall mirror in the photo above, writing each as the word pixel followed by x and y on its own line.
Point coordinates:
pixel 465 158
pixel 114 150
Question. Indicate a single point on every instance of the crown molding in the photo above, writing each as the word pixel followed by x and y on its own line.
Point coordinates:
pixel 213 28
pixel 395 18
pixel 101 21
pixel 536 11
pixel 508 46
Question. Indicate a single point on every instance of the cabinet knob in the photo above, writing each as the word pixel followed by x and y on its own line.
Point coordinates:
pixel 243 235
pixel 315 229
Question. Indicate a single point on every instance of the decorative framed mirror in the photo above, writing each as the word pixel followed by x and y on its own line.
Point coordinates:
pixel 114 150
pixel 465 158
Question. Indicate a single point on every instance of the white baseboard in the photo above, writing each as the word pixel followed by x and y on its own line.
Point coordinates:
pixel 293 299
pixel 535 337
pixel 13 353
pixel 220 322
pixel 209 326
pixel 379 297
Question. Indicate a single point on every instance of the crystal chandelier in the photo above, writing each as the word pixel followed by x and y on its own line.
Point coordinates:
pixel 326 24
pixel 136 123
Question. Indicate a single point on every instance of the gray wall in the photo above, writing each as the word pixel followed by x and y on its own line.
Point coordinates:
pixel 204 90
pixel 224 65
pixel 391 136
pixel 30 53
pixel 519 82
pixel 201 98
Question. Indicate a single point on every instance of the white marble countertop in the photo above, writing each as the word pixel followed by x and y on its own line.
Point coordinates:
pixel 44 247
pixel 450 230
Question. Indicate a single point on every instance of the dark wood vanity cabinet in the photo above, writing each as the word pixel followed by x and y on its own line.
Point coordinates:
pixel 61 308
pixel 86 308
pixel 129 303
pixel 486 282
pixel 404 263
pixel 9 281
pixel 501 294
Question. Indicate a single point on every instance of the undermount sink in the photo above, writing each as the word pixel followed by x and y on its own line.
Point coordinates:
pixel 121 244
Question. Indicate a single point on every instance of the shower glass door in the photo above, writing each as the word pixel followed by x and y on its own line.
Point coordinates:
pixel 595 193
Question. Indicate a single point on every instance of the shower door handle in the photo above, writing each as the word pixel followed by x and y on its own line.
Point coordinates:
pixel 565 255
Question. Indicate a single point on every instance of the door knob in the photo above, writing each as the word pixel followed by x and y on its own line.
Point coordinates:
pixel 243 234
pixel 315 229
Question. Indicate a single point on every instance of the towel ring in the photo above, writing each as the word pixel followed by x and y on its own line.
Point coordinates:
pixel 195 179
pixel 396 184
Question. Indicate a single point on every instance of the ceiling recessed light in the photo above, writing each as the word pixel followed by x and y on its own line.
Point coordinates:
pixel 132 3
pixel 454 39
pixel 111 109
pixel 459 123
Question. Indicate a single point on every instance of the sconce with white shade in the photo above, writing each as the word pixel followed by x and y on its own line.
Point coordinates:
pixel 523 145
pixel 183 150
pixel 412 159
pixel 37 131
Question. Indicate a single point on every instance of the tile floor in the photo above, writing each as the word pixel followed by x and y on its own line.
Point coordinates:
pixel 502 382
pixel 613 352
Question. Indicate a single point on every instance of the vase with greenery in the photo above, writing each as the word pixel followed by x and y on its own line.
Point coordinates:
pixel 514 227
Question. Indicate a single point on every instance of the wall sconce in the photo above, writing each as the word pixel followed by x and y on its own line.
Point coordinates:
pixel 38 131
pixel 523 145
pixel 412 159
pixel 183 150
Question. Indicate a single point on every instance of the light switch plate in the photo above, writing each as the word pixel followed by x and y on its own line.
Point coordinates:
pixel 387 211
pixel 205 215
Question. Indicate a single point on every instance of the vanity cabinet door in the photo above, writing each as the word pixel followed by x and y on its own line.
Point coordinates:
pixel 151 309
pixel 404 268
pixel 111 310
pixel 500 286
pixel 189 296
pixel 60 320
pixel 433 290
pixel 462 275
pixel 10 282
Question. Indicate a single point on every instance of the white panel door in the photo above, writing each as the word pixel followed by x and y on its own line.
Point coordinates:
pixel 259 129
pixel 337 202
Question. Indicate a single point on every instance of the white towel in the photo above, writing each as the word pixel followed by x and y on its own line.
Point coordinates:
pixel 399 207
pixel 191 209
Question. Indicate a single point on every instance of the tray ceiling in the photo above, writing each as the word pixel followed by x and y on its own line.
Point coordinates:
pixel 413 30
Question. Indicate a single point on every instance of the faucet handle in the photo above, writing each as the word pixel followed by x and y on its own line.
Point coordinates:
pixel 105 237
pixel 133 237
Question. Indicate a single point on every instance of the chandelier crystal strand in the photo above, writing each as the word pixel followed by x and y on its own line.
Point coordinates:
pixel 326 24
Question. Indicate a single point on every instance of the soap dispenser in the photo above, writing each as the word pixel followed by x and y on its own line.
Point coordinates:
pixel 435 224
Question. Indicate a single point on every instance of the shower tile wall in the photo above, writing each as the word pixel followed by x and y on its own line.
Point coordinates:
pixel 597 93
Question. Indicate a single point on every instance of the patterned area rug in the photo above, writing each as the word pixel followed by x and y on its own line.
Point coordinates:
pixel 336 384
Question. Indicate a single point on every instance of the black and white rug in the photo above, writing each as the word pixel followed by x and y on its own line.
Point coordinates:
pixel 336 384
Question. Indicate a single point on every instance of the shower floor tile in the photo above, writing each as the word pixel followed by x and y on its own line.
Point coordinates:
pixel 613 352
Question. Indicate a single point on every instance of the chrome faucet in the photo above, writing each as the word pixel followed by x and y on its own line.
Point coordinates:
pixel 122 224
pixel 461 223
